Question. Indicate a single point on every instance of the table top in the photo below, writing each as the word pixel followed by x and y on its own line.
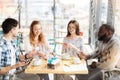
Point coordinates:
pixel 65 67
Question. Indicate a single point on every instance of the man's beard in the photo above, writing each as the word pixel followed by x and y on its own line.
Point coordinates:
pixel 103 37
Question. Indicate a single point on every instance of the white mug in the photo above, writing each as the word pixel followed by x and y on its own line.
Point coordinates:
pixel 76 60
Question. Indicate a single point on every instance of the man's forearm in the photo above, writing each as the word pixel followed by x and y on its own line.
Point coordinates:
pixel 4 70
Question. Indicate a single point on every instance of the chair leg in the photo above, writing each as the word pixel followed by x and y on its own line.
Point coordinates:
pixel 103 75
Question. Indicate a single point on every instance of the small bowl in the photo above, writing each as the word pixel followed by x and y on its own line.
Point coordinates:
pixel 65 56
pixel 36 62
pixel 76 60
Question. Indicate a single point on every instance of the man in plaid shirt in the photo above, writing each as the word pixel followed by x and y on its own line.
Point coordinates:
pixel 9 53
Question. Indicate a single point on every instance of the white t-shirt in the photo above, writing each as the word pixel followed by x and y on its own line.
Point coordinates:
pixel 13 58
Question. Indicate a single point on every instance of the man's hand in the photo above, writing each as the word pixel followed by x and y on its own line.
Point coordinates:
pixel 21 58
pixel 19 64
pixel 93 65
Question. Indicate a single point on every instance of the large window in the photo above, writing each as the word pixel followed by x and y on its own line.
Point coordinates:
pixel 8 8
pixel 73 9
pixel 54 15
pixel 117 17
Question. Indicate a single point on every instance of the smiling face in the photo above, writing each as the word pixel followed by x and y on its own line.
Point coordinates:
pixel 72 28
pixel 105 33
pixel 37 29
pixel 102 34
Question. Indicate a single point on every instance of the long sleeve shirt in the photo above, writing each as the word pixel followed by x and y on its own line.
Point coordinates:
pixel 108 54
pixel 77 42
pixel 45 49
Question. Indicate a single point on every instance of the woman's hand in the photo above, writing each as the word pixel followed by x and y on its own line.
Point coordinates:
pixel 69 45
pixel 40 53
pixel 32 53
pixel 65 45
pixel 81 55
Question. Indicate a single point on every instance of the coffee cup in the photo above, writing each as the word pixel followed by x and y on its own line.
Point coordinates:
pixel 76 60
pixel 65 56
pixel 37 62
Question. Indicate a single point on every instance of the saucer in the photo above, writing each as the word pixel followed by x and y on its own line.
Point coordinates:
pixel 65 56
pixel 76 61
pixel 36 62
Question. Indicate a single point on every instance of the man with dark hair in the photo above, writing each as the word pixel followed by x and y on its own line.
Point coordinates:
pixel 107 54
pixel 9 53
pixel 8 24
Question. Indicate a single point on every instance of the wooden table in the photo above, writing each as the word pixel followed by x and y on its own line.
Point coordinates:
pixel 42 69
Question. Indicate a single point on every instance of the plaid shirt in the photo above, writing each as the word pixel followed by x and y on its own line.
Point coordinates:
pixel 5 55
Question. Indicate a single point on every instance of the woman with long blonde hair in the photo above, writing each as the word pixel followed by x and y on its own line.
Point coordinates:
pixel 37 41
pixel 36 35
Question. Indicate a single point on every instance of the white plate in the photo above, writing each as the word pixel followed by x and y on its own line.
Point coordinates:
pixel 36 63
pixel 67 58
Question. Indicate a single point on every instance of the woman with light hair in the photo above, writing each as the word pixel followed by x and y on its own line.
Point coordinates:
pixel 37 41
